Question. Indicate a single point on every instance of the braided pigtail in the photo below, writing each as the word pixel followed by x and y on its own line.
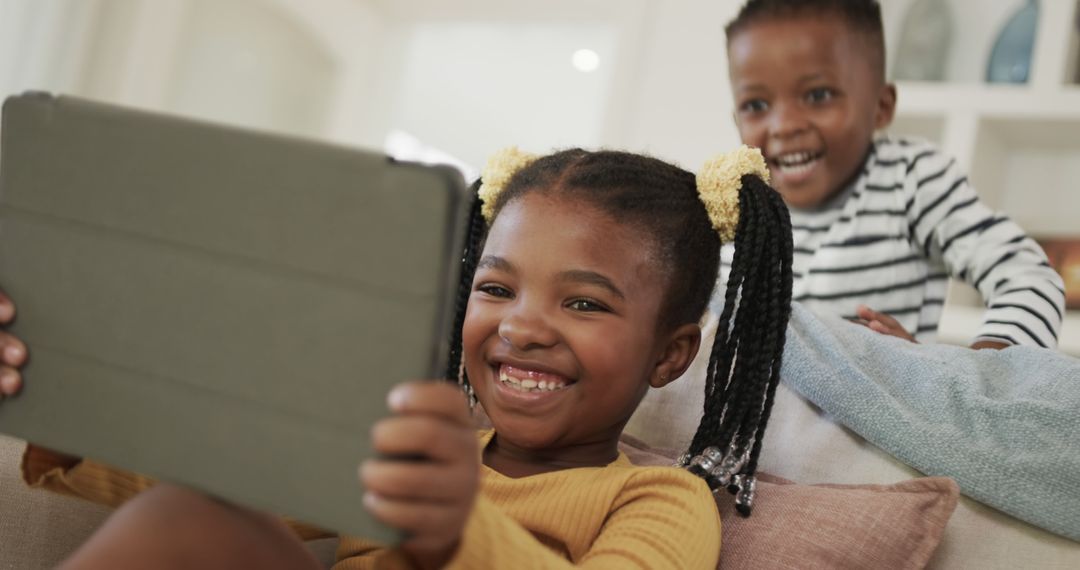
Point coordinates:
pixel 744 364
pixel 780 312
pixel 470 256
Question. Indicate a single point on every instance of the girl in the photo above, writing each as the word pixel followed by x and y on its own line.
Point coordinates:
pixel 584 278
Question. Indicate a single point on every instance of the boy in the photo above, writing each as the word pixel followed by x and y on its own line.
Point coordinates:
pixel 876 223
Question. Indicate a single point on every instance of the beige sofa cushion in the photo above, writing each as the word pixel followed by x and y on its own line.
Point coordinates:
pixel 827 527
pixel 805 445
pixel 38 529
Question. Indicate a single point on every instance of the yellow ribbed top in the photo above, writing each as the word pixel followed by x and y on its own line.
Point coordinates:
pixel 618 516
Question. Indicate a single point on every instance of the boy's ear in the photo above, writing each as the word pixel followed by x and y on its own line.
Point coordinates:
pixel 886 107
pixel 682 347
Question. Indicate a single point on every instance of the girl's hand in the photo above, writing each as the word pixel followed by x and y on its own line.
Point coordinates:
pixel 12 352
pixel 881 323
pixel 428 498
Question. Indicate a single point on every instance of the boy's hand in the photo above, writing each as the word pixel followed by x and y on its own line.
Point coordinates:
pixel 881 323
pixel 12 352
pixel 991 344
pixel 428 498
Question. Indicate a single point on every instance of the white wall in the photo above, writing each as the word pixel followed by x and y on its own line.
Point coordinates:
pixel 43 43
pixel 684 107
pixel 468 77
pixel 470 87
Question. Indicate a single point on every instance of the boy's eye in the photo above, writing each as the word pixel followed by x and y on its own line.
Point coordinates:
pixel 495 290
pixel 586 306
pixel 754 106
pixel 819 95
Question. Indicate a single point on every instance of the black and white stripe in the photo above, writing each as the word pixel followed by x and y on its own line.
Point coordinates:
pixel 908 223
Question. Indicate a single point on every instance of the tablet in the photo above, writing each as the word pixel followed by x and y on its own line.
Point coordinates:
pixel 220 308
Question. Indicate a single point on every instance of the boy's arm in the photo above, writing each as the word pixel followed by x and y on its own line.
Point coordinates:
pixel 1025 297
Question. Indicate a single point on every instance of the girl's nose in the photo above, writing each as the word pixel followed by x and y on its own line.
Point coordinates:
pixel 526 329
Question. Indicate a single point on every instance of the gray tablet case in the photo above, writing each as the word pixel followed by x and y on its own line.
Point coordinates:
pixel 217 307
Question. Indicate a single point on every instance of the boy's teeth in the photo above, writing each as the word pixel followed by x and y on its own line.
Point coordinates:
pixel 794 159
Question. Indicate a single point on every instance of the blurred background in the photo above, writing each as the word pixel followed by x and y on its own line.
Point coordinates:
pixel 994 82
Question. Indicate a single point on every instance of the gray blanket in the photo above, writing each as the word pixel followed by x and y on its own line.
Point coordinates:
pixel 1004 424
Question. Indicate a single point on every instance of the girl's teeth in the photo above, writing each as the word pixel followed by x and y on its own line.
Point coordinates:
pixel 530 385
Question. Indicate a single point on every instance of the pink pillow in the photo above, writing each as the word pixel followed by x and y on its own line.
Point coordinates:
pixel 827 526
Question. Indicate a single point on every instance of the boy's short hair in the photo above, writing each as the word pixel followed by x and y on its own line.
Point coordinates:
pixel 861 16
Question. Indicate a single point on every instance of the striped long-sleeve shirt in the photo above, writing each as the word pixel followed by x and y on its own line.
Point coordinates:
pixel 894 237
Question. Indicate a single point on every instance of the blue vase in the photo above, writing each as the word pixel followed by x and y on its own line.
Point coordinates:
pixel 1010 59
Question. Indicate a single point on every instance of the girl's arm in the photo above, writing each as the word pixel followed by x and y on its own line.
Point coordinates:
pixel 427 483
pixel 657 518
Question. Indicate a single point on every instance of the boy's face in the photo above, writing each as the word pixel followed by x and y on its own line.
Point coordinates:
pixel 808 94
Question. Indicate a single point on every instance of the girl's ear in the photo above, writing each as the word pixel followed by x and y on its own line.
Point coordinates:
pixel 682 346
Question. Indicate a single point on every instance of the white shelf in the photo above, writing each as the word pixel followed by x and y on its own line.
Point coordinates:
pixel 988 100
pixel 959 323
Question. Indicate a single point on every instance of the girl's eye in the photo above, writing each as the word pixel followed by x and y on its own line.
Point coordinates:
pixel 819 95
pixel 754 106
pixel 495 290
pixel 586 306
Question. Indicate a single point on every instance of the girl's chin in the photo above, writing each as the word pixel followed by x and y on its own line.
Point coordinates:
pixel 524 432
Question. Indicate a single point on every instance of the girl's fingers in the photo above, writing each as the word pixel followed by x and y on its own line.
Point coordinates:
pixel 7 309
pixel 12 350
pixel 441 399
pixel 417 481
pixel 429 436
pixel 429 524
pixel 10 381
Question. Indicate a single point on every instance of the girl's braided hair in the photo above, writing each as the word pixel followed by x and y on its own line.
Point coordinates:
pixel 662 200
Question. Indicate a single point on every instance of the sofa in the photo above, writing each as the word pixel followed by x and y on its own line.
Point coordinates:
pixel 826 499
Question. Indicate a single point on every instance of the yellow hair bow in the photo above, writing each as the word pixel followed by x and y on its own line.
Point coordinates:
pixel 719 183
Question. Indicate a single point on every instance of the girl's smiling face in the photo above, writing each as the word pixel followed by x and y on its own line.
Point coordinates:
pixel 561 336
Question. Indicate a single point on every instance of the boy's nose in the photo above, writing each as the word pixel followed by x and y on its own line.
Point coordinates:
pixel 524 329
pixel 787 121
